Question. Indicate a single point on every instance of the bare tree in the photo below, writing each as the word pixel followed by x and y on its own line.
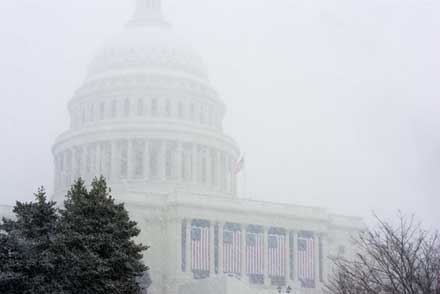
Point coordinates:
pixel 390 259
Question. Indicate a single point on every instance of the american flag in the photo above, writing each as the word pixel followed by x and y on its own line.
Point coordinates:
pixel 232 251
pixel 199 249
pixel 306 260
pixel 277 255
pixel 254 253
pixel 239 165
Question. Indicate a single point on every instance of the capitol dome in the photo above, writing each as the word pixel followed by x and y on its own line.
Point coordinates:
pixel 147 118
pixel 147 47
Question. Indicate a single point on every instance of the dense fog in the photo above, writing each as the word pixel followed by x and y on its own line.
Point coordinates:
pixel 333 103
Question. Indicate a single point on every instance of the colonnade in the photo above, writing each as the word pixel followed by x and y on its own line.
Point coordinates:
pixel 293 274
pixel 147 160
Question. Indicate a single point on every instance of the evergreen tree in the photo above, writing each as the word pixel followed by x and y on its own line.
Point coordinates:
pixel 97 242
pixel 27 263
pixel 87 247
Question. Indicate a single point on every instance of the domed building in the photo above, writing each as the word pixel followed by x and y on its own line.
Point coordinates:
pixel 149 120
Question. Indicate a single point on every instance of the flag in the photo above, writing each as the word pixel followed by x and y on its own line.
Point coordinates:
pixel 232 251
pixel 199 249
pixel 306 260
pixel 239 165
pixel 276 255
pixel 254 253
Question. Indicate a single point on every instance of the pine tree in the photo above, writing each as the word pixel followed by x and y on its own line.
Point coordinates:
pixel 87 247
pixel 27 263
pixel 100 253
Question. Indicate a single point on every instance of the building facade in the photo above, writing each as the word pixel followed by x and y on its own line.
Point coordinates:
pixel 148 119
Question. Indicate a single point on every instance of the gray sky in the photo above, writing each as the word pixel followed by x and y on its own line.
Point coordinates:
pixel 335 103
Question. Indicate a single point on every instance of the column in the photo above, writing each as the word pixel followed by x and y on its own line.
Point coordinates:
pixel 266 257
pixel 98 160
pixel 74 165
pixel 194 164
pixel 211 248
pixel 295 256
pixel 234 181
pixel 146 164
pixel 179 161
pixel 316 254
pixel 287 254
pixel 188 246
pixel 208 166
pixel 84 174
pixel 177 231
pixel 56 172
pixel 324 247
pixel 114 166
pixel 219 169
pixel 243 250
pixel 221 226
pixel 162 160
pixel 130 159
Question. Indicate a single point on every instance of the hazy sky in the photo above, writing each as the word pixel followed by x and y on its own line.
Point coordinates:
pixel 335 103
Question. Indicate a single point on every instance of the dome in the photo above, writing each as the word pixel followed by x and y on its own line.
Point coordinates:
pixel 147 118
pixel 150 46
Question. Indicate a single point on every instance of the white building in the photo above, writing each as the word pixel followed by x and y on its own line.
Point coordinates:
pixel 148 119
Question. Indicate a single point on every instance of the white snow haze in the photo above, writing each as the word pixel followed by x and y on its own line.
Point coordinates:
pixel 334 103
